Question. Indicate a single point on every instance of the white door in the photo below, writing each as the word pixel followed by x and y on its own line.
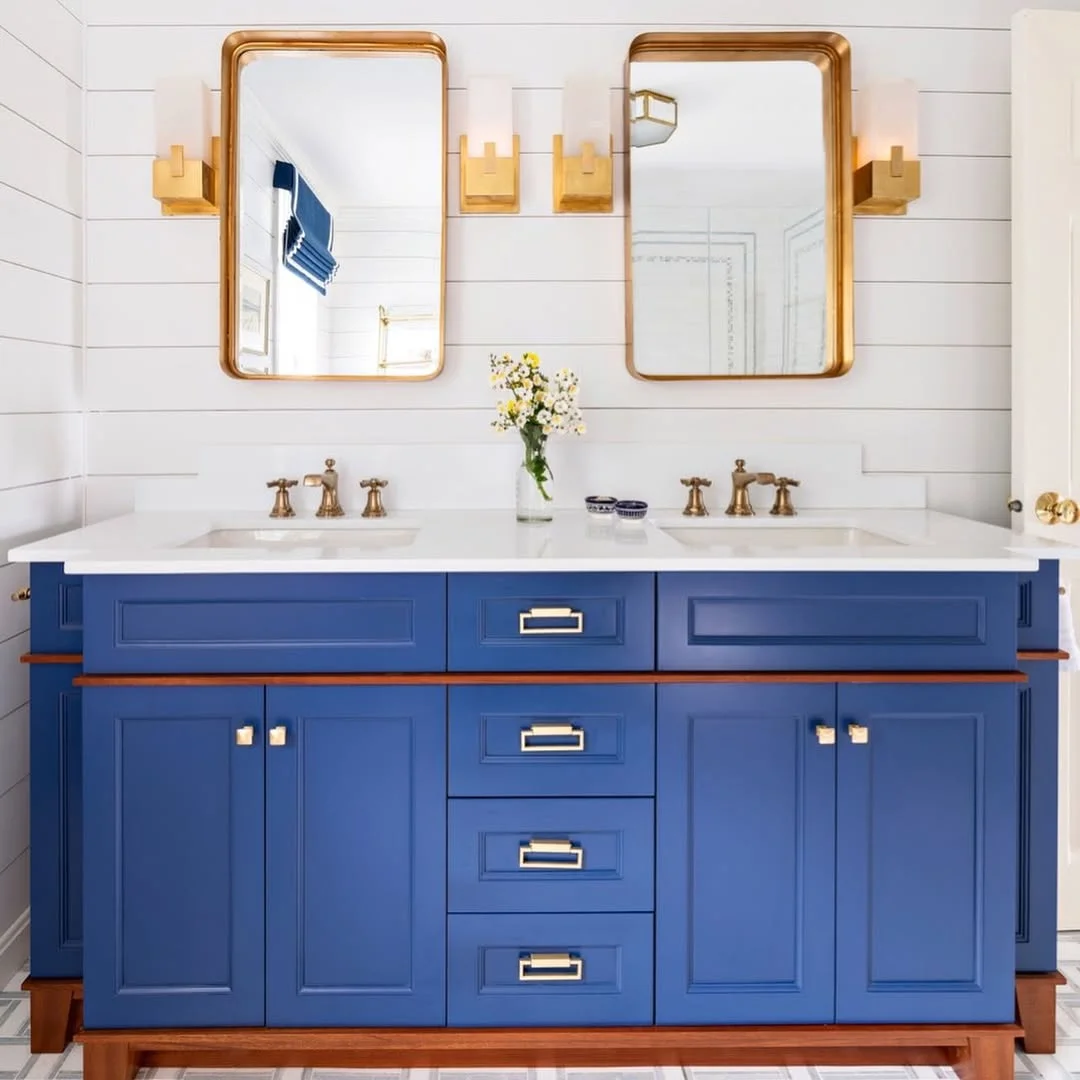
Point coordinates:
pixel 1046 348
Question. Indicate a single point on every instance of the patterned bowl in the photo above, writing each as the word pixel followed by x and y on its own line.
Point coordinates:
pixel 600 504
pixel 631 509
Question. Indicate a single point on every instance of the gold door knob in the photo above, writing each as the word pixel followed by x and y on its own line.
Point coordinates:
pixel 277 735
pixel 245 736
pixel 825 735
pixel 859 733
pixel 1052 509
pixel 21 594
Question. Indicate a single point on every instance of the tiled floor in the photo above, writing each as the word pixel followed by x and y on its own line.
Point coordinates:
pixel 17 1063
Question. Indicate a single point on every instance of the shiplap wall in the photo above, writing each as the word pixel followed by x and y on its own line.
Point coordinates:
pixel 929 393
pixel 41 440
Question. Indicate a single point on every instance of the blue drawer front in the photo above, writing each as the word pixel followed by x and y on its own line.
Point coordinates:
pixel 504 622
pixel 552 740
pixel 489 987
pixel 1037 848
pixel 266 623
pixel 56 838
pixel 551 855
pixel 1037 614
pixel 837 622
pixel 56 610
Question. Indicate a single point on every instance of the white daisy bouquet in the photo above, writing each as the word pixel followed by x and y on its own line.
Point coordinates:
pixel 538 406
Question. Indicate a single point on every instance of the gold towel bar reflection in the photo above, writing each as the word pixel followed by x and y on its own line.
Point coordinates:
pixel 542 731
pixel 550 847
pixel 551 613
pixel 550 967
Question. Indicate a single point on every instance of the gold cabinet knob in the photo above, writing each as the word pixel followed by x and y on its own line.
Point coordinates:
pixel 859 733
pixel 825 735
pixel 278 735
pixel 245 736
pixel 21 594
pixel 1052 509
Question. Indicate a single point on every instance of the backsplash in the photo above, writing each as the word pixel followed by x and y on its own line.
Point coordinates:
pixel 927 402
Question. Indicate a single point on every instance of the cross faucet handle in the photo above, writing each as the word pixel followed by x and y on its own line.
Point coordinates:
pixel 695 504
pixel 695 481
pixel 782 506
pixel 374 508
pixel 282 506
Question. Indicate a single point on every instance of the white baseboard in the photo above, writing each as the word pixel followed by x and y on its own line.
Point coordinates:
pixel 14 947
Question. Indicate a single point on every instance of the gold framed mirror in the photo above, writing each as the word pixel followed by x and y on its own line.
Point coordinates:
pixel 739 206
pixel 333 224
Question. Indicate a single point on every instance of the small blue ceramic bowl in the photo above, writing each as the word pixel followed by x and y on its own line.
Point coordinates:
pixel 601 504
pixel 631 509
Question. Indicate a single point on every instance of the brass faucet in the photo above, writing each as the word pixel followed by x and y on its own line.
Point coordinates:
pixel 782 506
pixel 695 504
pixel 282 506
pixel 329 507
pixel 374 508
pixel 740 481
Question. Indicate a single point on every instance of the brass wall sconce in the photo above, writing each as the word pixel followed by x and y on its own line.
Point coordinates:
pixel 490 183
pixel 187 167
pixel 887 170
pixel 583 177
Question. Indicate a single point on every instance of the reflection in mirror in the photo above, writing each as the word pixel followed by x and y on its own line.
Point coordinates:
pixel 734 187
pixel 339 203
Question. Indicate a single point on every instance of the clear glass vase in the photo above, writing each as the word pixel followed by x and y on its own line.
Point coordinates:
pixel 534 499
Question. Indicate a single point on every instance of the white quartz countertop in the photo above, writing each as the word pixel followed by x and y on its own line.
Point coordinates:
pixel 486 540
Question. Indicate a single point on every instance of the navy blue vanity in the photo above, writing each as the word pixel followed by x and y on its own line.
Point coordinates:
pixel 542 800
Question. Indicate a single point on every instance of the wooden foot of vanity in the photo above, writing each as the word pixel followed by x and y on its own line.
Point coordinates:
pixel 55 1013
pixel 1036 1006
pixel 977 1052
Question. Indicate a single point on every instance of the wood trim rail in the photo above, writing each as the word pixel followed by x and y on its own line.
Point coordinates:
pixel 52 658
pixel 1042 654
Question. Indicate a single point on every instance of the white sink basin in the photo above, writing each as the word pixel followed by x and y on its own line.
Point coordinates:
pixel 757 535
pixel 381 537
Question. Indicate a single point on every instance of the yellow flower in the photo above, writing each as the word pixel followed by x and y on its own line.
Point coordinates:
pixel 512 407
pixel 533 359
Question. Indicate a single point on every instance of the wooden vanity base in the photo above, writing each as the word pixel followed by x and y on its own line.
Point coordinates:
pixel 55 1013
pixel 1036 1007
pixel 976 1051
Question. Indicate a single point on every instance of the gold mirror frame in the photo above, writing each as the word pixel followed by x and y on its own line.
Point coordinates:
pixel 831 54
pixel 239 49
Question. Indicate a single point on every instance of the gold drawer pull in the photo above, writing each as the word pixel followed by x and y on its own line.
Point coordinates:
pixel 825 735
pixel 552 731
pixel 550 967
pixel 551 613
pixel 245 736
pixel 278 735
pixel 859 733
pixel 550 847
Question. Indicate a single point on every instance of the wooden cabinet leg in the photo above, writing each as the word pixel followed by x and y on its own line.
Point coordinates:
pixel 109 1061
pixel 54 1014
pixel 988 1057
pixel 1036 1006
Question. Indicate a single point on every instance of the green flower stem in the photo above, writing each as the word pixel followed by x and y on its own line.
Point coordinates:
pixel 536 463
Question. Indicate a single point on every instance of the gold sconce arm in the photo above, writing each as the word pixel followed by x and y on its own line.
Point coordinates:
pixel 489 184
pixel 886 187
pixel 583 184
pixel 187 186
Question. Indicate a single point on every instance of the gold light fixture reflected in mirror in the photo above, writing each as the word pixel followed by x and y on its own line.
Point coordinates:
pixel 653 117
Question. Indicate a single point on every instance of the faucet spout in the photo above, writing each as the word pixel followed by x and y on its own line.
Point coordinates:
pixel 329 507
pixel 740 505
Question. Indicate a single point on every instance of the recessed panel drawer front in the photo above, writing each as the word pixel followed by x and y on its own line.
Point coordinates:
pixel 265 623
pixel 56 610
pixel 550 970
pixel 837 622
pixel 552 740
pixel 552 622
pixel 551 855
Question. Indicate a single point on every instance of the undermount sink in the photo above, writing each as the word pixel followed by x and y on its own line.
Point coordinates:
pixel 373 537
pixel 710 535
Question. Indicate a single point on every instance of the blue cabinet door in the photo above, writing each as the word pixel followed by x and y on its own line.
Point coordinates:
pixel 56 841
pixel 926 853
pixel 174 856
pixel 745 809
pixel 1036 836
pixel 356 856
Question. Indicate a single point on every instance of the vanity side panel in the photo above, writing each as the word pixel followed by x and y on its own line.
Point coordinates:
pixel 272 623
pixel 1037 608
pixel 837 622
pixel 56 610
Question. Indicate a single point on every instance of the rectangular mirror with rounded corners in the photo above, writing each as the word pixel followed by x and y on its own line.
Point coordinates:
pixel 739 223
pixel 333 229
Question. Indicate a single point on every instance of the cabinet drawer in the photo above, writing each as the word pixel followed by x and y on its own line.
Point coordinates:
pixel 837 622
pixel 551 855
pixel 56 610
pixel 265 623
pixel 552 740
pixel 540 970
pixel 552 622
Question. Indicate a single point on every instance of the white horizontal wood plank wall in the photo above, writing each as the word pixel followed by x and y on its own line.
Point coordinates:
pixel 41 360
pixel 929 393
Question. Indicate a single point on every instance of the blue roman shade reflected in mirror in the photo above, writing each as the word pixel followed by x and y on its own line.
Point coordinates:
pixel 309 231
